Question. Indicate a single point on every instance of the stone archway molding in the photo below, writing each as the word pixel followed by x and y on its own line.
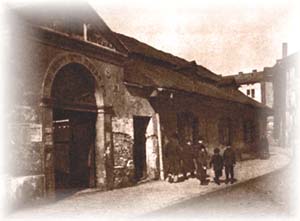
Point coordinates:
pixel 64 59
pixel 103 141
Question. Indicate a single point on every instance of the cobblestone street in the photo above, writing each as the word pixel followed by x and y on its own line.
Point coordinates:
pixel 267 198
pixel 147 197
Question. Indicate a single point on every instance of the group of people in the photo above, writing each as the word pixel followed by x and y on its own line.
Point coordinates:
pixel 192 160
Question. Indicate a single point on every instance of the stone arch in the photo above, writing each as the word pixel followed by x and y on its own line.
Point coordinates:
pixel 103 139
pixel 64 59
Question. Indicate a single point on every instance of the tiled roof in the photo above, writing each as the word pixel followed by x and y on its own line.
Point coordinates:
pixel 176 63
pixel 153 74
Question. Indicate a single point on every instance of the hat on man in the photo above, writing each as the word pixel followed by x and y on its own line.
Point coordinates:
pixel 216 150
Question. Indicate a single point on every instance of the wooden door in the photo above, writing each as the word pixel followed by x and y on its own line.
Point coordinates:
pixel 62 143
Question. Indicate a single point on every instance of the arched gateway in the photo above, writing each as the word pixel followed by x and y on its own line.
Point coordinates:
pixel 76 126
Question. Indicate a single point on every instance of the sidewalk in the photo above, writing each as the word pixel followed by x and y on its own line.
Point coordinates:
pixel 134 201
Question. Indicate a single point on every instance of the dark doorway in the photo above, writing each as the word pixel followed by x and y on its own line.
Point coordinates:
pixel 74 139
pixel 74 119
pixel 139 146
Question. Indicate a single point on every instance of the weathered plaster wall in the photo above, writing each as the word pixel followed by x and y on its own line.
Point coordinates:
pixel 123 143
pixel 24 158
pixel 123 136
pixel 28 63
pixel 24 190
pixel 32 62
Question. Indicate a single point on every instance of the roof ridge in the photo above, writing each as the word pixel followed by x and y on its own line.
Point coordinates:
pixel 142 48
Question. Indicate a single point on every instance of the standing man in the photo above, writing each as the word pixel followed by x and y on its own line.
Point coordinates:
pixel 172 151
pixel 264 147
pixel 229 163
pixel 188 166
pixel 217 163
pixel 202 159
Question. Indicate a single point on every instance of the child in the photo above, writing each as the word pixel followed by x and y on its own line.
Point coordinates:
pixel 217 162
pixel 229 163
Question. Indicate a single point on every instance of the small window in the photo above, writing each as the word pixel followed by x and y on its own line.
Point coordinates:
pixel 253 93
pixel 248 92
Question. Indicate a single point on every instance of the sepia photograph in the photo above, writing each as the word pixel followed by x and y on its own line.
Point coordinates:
pixel 150 110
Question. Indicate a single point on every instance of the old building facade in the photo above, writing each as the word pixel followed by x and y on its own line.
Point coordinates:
pixel 286 97
pixel 276 87
pixel 93 108
pixel 257 85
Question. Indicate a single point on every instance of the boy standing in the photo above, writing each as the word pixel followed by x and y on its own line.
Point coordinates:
pixel 217 163
pixel 229 163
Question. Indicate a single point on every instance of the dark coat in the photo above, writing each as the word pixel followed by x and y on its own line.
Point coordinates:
pixel 172 150
pixel 217 162
pixel 264 144
pixel 202 158
pixel 229 157
pixel 188 153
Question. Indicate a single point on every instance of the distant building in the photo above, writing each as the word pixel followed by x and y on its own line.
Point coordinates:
pixel 276 87
pixel 257 85
pixel 286 78
pixel 252 90
pixel 89 107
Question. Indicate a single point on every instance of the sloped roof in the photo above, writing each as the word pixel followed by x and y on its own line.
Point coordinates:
pixel 227 81
pixel 150 75
pixel 138 47
pixel 174 62
pixel 249 78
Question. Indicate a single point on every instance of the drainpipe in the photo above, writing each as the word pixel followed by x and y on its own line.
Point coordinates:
pixel 284 49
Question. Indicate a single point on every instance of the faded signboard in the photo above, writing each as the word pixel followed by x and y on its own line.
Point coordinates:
pixel 25 133
pixel 36 134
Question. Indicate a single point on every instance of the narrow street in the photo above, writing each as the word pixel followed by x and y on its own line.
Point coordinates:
pixel 262 197
pixel 261 190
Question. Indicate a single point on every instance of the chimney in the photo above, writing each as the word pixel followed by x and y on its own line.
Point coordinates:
pixel 85 31
pixel 284 49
